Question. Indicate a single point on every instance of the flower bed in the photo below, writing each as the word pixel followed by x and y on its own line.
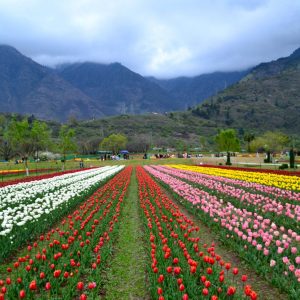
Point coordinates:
pixel 26 207
pixel 271 249
pixel 38 177
pixel 67 261
pixel 279 172
pixel 180 266
pixel 276 180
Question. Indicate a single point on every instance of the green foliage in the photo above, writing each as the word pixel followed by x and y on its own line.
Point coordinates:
pixel 114 143
pixel 249 137
pixel 270 141
pixel 227 141
pixel 66 140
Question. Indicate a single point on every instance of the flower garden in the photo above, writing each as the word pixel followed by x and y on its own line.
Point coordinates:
pixel 59 232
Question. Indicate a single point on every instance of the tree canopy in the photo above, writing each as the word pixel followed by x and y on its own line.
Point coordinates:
pixel 227 141
pixel 114 143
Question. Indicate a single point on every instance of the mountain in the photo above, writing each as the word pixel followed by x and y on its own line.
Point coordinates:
pixel 27 87
pixel 118 90
pixel 268 98
pixel 190 91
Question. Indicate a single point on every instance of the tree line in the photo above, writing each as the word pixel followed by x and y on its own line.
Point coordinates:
pixel 26 137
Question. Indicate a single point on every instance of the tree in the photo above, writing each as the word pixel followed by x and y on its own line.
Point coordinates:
pixel 25 137
pixel 5 148
pixel 66 142
pixel 248 137
pixel 40 136
pixel 227 141
pixel 270 142
pixel 18 134
pixel 114 143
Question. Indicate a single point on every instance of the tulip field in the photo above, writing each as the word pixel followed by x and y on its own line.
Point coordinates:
pixel 60 233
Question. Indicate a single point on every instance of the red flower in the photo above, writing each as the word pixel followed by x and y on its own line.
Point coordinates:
pixel 22 294
pixel 83 297
pixel 235 271
pixel 205 292
pixel 244 278
pixel 159 291
pixel 80 285
pixel 42 275
pixel 185 297
pixel 160 278
pixel 48 286
pixel 91 285
pixel 181 287
pixel 231 290
pixel 32 285
pixel 56 273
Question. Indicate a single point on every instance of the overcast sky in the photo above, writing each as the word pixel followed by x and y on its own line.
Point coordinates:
pixel 163 38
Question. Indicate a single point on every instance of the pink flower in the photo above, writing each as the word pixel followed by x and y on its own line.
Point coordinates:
pixel 294 250
pixel 297 260
pixel 272 263
pixel 285 260
pixel 292 268
pixel 266 252
pixel 280 250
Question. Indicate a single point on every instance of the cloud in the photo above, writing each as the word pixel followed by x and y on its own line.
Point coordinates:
pixel 161 38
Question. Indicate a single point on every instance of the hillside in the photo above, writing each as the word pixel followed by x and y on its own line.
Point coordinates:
pixel 27 87
pixel 193 90
pixel 116 89
pixel 267 98
pixel 92 90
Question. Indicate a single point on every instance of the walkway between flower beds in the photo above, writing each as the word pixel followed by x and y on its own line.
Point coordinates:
pixel 126 275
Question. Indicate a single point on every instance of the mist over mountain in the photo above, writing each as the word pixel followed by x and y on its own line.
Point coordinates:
pixel 91 90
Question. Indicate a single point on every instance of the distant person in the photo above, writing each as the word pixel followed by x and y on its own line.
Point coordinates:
pixel 81 164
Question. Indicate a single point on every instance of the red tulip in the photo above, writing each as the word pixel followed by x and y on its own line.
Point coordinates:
pixel 231 290
pixel 205 292
pixel 32 285
pixel 80 285
pixel 181 287
pixel 22 294
pixel 235 271
pixel 48 286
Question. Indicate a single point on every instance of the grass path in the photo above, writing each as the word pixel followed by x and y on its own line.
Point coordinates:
pixel 126 278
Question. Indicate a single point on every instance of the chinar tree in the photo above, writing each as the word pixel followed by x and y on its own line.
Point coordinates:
pixel 26 137
pixel 227 140
pixel 66 142
pixel 114 143
pixel 270 141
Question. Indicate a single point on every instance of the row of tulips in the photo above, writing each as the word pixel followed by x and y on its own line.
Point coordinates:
pixel 269 248
pixel 180 266
pixel 282 213
pixel 37 177
pixel 67 261
pixel 279 172
pixel 276 180
pixel 271 191
pixel 27 209
pixel 17 172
